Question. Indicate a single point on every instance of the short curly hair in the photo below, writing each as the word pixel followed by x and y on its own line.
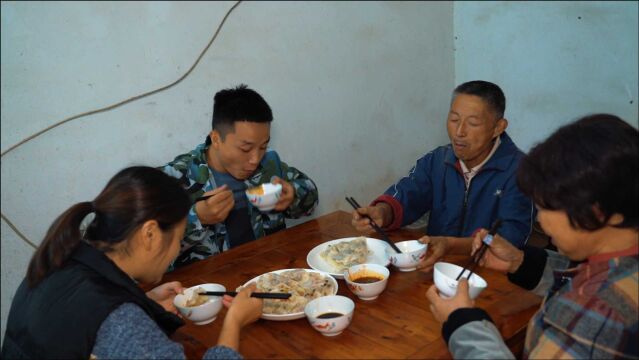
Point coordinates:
pixel 589 169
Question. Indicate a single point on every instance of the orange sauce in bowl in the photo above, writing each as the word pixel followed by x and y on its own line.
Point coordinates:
pixel 366 277
pixel 258 190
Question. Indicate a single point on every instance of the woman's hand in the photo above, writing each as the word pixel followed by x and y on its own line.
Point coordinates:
pixel 243 309
pixel 501 255
pixel 442 308
pixel 164 295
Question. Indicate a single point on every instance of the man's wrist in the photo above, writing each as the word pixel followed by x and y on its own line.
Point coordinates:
pixel 395 213
pixel 387 214
pixel 446 244
pixel 457 245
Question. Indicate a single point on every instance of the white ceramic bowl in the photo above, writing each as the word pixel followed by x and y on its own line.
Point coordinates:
pixel 378 253
pixel 445 274
pixel 335 304
pixel 366 291
pixel 266 201
pixel 204 313
pixel 413 252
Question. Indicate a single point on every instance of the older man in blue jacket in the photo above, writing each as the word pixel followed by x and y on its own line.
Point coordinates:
pixel 465 185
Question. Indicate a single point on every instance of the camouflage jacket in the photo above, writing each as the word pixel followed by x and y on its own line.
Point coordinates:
pixel 201 240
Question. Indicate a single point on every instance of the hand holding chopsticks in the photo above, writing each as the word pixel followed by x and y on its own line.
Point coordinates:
pixel 474 261
pixel 215 205
pixel 218 190
pixel 259 295
pixel 379 230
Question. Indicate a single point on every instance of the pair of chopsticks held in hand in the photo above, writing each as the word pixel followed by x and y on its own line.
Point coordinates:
pixel 259 295
pixel 485 243
pixel 355 205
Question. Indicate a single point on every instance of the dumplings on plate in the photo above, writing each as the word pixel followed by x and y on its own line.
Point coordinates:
pixel 345 254
pixel 303 285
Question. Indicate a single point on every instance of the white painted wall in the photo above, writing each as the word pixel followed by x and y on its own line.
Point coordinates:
pixel 358 91
pixel 555 61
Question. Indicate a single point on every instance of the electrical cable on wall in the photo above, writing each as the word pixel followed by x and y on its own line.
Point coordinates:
pixel 111 107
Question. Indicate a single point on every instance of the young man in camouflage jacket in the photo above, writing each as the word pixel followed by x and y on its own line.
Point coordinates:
pixel 233 158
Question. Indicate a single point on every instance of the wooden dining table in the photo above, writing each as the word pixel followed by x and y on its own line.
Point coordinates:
pixel 396 325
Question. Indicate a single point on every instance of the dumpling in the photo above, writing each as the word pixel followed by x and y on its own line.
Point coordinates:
pixel 345 254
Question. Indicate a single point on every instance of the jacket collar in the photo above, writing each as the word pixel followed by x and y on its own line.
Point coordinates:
pixel 632 251
pixel 100 263
pixel 501 159
pixel 596 268
pixel 96 260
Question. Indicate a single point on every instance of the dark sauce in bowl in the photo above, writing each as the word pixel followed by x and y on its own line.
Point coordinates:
pixel 329 315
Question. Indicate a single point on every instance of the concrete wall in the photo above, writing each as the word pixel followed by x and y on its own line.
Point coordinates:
pixel 358 91
pixel 555 61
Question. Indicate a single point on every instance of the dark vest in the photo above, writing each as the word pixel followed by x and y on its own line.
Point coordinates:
pixel 60 317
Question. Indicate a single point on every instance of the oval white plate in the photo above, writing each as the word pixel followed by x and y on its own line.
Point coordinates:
pixel 297 315
pixel 380 254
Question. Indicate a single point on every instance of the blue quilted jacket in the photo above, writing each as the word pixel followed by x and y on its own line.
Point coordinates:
pixel 436 184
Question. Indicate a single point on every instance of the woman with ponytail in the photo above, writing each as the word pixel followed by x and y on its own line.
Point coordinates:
pixel 80 297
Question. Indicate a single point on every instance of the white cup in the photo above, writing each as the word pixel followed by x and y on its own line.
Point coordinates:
pixel 413 252
pixel 444 275
pixel 340 308
pixel 268 199
pixel 366 291
pixel 204 313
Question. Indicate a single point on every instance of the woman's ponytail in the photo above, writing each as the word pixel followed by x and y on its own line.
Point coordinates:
pixel 61 240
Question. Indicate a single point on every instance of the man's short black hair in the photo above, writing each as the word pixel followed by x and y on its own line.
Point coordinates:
pixel 238 104
pixel 487 91
pixel 590 163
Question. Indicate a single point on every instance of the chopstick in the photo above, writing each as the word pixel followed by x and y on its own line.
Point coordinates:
pixel 474 261
pixel 202 198
pixel 259 295
pixel 480 254
pixel 208 196
pixel 356 206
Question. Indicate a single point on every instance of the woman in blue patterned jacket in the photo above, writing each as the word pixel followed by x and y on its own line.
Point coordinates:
pixel 584 181
pixel 80 298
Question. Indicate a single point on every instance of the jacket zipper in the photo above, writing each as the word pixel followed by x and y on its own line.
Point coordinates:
pixel 466 192
pixel 463 214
